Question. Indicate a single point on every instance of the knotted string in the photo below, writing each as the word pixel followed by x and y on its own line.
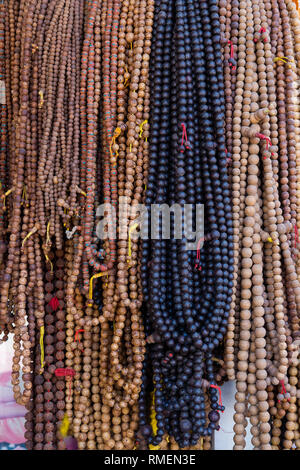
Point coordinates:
pixel 197 263
pixel 4 196
pixel 219 389
pixel 283 390
pixel 184 136
pixel 141 127
pixel 95 276
pixel 32 232
pixel 41 103
pixel 24 196
pixel 262 30
pixel 48 260
pixel 126 79
pixel 77 337
pixel 268 141
pixel 77 333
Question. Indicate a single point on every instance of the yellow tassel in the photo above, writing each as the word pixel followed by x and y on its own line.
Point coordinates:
pixel 48 241
pixel 201 443
pixel 41 103
pixel 24 196
pixel 65 424
pixel 269 239
pixel 151 447
pixel 133 227
pixel 80 191
pixel 117 132
pixel 130 147
pixel 7 193
pixel 153 420
pixel 153 414
pixel 33 231
pixel 66 212
pixel 141 127
pixel 284 60
pixel 42 332
pixel 131 45
pixel 126 79
pixel 48 261
pixel 34 48
pixel 4 196
pixel 105 273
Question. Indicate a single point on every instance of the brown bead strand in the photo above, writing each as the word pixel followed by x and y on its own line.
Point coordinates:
pixel 69 325
pixel 236 195
pixel 295 23
pixel 18 186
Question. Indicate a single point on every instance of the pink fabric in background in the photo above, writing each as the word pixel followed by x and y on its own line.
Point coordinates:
pixel 11 414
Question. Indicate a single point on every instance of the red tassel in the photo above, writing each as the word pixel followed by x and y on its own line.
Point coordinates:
pixel 54 303
pixel 77 333
pixel 197 263
pixel 233 67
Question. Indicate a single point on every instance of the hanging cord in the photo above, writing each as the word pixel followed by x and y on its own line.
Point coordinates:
pixel 262 30
pixel 95 276
pixel 133 227
pixel 184 138
pixel 141 127
pixel 231 60
pixel 42 332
